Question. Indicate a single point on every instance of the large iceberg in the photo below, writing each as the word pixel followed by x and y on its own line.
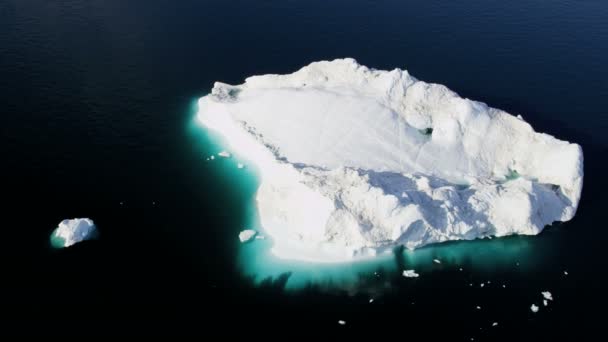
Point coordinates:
pixel 72 231
pixel 355 161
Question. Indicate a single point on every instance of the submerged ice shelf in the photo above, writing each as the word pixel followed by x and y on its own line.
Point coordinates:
pixel 355 161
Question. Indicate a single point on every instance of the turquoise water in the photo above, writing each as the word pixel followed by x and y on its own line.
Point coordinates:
pixel 57 241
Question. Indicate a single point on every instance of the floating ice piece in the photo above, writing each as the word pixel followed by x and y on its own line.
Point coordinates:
pixel 478 307
pixel 224 154
pixel 212 157
pixel 247 235
pixel 460 269
pixel 482 284
pixel 494 324
pixel 565 272
pixel 547 295
pixel 240 165
pixel 545 303
pixel 371 300
pixel 341 322
pixel 534 308
pixel 437 261
pixel 410 274
pixel 355 161
pixel 72 231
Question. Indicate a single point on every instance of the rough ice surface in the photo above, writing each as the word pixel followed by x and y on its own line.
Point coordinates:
pixel 72 231
pixel 410 274
pixel 547 295
pixel 247 235
pixel 355 161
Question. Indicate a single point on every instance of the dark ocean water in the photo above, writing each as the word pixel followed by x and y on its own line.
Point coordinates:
pixel 97 108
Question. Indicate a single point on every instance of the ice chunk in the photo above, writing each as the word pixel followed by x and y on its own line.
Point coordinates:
pixel 354 161
pixel 224 154
pixel 72 231
pixel 247 235
pixel 494 324
pixel 545 303
pixel 341 322
pixel 547 295
pixel 437 261
pixel 534 308
pixel 240 165
pixel 410 274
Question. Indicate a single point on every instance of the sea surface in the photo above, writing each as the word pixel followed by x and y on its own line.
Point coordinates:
pixel 98 119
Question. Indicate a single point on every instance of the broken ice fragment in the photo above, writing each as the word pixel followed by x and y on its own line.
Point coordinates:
pixel 410 274
pixel 246 235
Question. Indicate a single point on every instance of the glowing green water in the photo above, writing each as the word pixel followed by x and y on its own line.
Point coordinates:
pixel 57 241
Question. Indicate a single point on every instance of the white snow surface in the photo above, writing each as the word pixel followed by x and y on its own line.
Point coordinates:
pixel 354 161
pixel 74 230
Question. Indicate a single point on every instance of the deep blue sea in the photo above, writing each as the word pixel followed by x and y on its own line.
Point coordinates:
pixel 97 109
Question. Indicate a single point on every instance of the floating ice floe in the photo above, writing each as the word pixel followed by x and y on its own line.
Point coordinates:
pixel 247 235
pixel 494 324
pixel 354 161
pixel 437 261
pixel 72 231
pixel 545 303
pixel 341 322
pixel 410 274
pixel 224 154
pixel 547 295
pixel 240 165
pixel 534 308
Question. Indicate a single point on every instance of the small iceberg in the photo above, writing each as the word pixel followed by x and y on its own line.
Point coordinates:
pixel 72 231
pixel 410 274
pixel 247 235
pixel 547 295
pixel 534 308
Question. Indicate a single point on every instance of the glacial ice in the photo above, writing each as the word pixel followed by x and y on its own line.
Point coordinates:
pixel 72 231
pixel 355 161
